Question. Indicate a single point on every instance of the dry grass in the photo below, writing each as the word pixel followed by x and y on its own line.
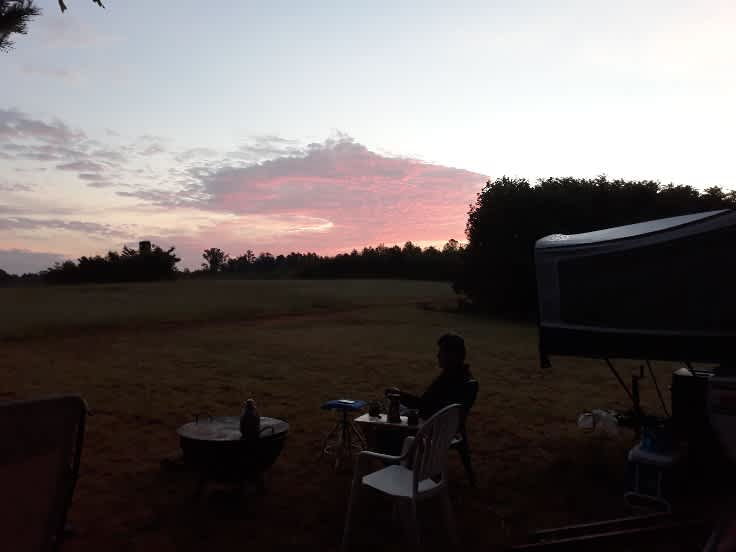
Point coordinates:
pixel 146 357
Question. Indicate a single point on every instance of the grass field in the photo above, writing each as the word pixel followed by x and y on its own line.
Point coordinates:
pixel 146 357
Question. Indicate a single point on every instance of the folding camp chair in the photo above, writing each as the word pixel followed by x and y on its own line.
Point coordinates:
pixel 40 450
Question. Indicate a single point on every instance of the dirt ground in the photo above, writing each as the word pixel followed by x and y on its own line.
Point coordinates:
pixel 206 349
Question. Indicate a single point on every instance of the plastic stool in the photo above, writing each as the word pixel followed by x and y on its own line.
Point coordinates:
pixel 344 439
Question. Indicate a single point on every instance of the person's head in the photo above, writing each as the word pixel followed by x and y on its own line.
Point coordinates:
pixel 451 352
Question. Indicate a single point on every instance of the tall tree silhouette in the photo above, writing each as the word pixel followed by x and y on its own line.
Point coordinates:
pixel 215 259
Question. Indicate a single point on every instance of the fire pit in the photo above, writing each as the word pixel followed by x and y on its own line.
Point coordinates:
pixel 214 448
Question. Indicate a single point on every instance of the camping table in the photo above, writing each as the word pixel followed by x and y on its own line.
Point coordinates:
pixel 214 447
pixel 371 426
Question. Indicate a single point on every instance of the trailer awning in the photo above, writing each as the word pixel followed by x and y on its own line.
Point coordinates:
pixel 660 290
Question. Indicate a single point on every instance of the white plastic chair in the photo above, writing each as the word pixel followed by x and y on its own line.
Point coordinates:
pixel 419 473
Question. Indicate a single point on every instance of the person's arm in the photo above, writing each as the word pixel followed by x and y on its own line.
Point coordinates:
pixel 410 401
pixel 443 393
pixel 432 400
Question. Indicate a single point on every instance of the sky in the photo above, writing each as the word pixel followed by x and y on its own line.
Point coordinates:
pixel 326 126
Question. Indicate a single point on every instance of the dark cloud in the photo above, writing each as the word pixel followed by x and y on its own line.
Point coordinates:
pixel 21 261
pixel 87 228
pixel 31 139
pixel 166 198
pixel 92 177
pixel 103 184
pixel 261 148
pixel 14 187
pixel 15 125
pixel 109 155
pixel 153 149
pixel 80 166
pixel 14 147
pixel 46 152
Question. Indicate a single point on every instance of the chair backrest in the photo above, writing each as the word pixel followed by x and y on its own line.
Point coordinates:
pixel 431 443
pixel 40 448
pixel 470 393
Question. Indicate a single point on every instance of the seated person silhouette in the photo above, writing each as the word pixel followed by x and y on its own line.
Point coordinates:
pixel 449 387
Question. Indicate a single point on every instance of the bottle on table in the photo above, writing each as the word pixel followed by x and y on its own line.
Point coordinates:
pixel 394 408
pixel 250 421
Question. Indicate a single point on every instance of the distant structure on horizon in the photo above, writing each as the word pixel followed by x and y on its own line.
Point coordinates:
pixel 144 247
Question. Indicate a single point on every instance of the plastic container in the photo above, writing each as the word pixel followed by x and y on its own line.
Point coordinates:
pixel 599 421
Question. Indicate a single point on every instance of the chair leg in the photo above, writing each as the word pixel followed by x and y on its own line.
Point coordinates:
pixel 413 526
pixel 361 443
pixel 449 517
pixel 395 512
pixel 354 497
pixel 464 452
pixel 328 438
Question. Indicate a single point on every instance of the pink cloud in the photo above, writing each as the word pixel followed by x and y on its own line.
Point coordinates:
pixel 332 197
pixel 269 193
pixel 367 196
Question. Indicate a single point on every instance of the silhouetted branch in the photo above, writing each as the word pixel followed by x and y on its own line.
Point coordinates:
pixel 62 5
pixel 14 18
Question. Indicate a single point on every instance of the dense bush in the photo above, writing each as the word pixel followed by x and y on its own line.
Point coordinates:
pixel 509 215
pixel 147 264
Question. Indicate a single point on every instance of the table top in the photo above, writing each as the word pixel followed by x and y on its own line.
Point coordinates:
pixel 383 422
pixel 227 428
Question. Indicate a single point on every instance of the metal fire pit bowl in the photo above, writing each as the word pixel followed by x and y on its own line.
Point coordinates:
pixel 213 447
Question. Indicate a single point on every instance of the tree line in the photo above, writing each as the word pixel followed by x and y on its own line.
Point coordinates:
pixel 151 262
pixel 494 272
pixel 511 214
pixel 410 261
